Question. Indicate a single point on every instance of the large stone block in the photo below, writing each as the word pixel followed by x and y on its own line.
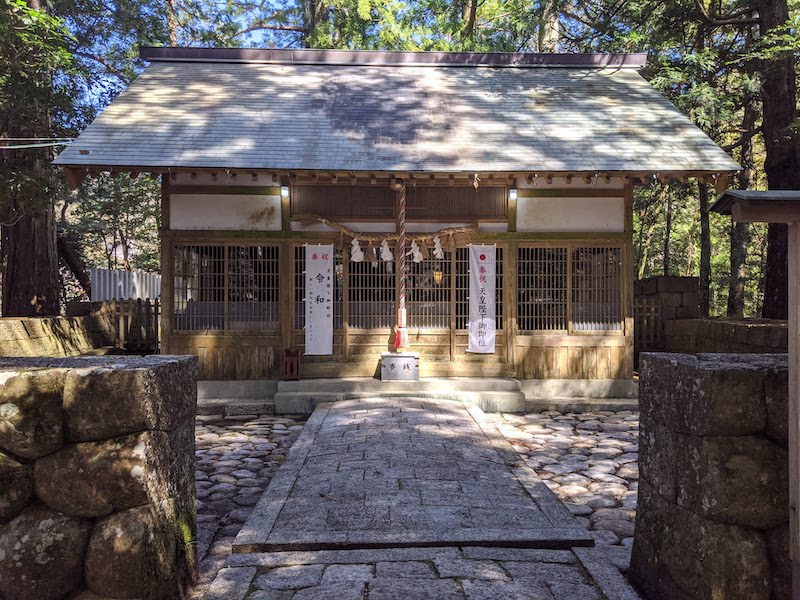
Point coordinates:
pixel 778 337
pixel 16 487
pixel 776 399
pixel 678 554
pixel 671 299
pixel 738 480
pixel 658 455
pixel 131 555
pixel 92 479
pixel 778 548
pixel 707 394
pixel 676 284
pixel 42 554
pixel 127 396
pixel 30 411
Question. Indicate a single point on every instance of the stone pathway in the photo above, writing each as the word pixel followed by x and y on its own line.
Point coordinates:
pixel 396 472
pixel 465 572
pixel 591 462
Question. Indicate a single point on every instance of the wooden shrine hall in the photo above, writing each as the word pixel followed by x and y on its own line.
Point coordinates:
pixel 400 162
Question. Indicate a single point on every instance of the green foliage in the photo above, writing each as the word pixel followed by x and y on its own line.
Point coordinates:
pixel 117 221
pixel 34 56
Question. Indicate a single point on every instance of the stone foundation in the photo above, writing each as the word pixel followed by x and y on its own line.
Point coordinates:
pixel 97 477
pixel 713 511
pixel 82 333
pixel 677 297
pixel 726 335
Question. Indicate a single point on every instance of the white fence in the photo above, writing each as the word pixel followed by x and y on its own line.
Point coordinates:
pixel 124 285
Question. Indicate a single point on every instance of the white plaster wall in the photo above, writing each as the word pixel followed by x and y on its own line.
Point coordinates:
pixel 226 212
pixel 571 214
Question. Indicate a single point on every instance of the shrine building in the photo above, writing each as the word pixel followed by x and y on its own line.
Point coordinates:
pixel 265 153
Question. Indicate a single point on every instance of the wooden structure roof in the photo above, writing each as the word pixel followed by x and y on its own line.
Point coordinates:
pixel 379 112
pixel 756 206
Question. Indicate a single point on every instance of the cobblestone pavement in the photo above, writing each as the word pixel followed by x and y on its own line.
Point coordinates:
pixel 249 449
pixel 236 457
pixel 591 461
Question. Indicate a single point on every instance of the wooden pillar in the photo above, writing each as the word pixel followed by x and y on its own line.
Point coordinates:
pixel 345 303
pixel 510 305
pixel 167 265
pixel 794 404
pixel 286 295
pixel 627 285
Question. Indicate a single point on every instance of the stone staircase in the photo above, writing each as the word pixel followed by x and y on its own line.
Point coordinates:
pixel 489 394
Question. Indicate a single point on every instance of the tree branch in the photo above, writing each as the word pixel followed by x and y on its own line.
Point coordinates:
pixel 746 137
pixel 719 20
pixel 110 68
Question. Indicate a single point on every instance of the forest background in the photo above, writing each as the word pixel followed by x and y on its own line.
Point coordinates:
pixel 730 65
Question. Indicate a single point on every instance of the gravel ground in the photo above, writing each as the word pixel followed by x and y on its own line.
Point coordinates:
pixel 591 462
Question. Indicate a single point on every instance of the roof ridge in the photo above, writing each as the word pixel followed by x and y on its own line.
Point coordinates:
pixel 390 58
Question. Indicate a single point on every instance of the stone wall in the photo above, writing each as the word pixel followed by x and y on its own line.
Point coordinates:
pixel 677 297
pixel 726 335
pixel 97 477
pixel 712 519
pixel 57 336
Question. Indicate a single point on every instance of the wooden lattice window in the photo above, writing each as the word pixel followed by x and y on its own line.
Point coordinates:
pixel 300 288
pixel 461 288
pixel 596 289
pixel 371 293
pixel 427 302
pixel 226 287
pixel 570 288
pixel 542 289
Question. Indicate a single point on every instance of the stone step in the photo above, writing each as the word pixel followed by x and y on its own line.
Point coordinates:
pixel 375 386
pixel 235 406
pixel 242 388
pixel 577 405
pixel 304 402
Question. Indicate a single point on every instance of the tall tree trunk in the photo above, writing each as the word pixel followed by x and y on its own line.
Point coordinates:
pixel 740 232
pixel 314 13
pixel 172 23
pixel 549 26
pixel 667 229
pixel 468 14
pixel 646 250
pixel 705 252
pixel 68 252
pixel 30 266
pixel 29 255
pixel 782 164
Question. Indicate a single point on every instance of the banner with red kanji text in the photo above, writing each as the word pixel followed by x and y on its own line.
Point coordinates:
pixel 482 309
pixel 319 299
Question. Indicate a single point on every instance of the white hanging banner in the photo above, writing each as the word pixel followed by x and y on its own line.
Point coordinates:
pixel 482 309
pixel 319 300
